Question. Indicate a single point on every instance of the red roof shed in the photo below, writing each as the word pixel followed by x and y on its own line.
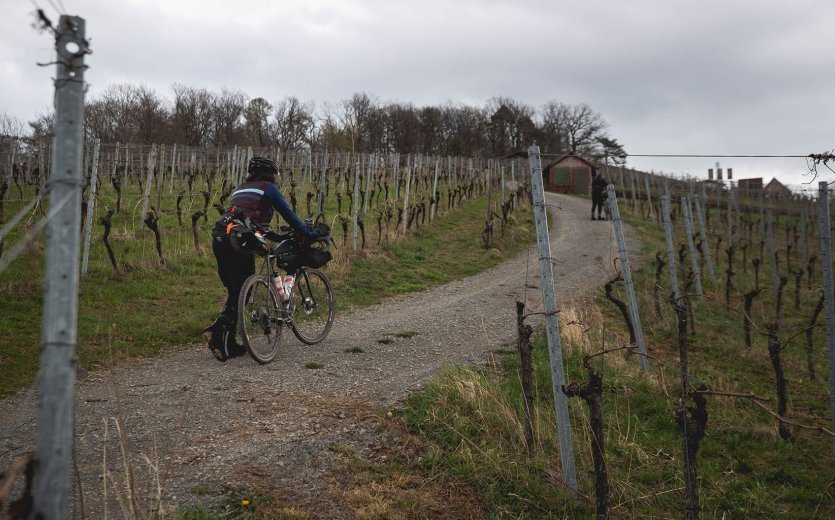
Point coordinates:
pixel 568 174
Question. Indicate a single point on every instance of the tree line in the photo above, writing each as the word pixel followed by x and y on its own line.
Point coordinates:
pixel 197 116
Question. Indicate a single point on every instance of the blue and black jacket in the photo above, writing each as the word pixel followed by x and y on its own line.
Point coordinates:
pixel 259 199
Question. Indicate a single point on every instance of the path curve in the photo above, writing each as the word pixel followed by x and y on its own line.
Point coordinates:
pixel 204 425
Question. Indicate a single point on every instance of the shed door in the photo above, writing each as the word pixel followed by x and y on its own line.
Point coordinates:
pixel 560 176
pixel 581 180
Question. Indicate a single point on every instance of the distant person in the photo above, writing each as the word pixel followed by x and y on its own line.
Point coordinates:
pixel 255 199
pixel 598 194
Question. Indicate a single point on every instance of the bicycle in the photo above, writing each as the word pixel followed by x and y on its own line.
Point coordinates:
pixel 307 305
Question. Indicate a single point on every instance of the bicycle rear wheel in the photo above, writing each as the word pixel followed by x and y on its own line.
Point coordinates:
pixel 259 318
pixel 311 306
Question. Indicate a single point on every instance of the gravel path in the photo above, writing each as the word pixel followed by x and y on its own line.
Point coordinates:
pixel 197 425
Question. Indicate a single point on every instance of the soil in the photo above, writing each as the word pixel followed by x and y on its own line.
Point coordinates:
pixel 195 427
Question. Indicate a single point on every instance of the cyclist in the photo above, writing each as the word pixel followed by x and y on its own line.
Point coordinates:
pixel 255 200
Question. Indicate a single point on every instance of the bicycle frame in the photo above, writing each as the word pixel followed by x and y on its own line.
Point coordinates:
pixel 269 266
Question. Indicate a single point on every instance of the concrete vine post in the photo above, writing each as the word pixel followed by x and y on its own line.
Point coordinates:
pixel 434 198
pixel 146 199
pixel 59 340
pixel 703 233
pixel 501 200
pixel 772 252
pixel 406 199
pixel 622 186
pixel 321 202
pixel 828 292
pixel 91 206
pixel 369 167
pixel 688 230
pixel 649 199
pixel 173 169
pixel 160 177
pixel 804 241
pixel 552 329
pixel 671 255
pixel 634 315
pixel 356 202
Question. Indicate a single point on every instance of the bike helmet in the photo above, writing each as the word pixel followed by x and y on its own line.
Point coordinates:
pixel 262 165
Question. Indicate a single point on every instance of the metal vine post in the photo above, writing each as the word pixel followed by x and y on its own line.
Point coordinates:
pixel 829 295
pixel 634 315
pixel 59 338
pixel 552 328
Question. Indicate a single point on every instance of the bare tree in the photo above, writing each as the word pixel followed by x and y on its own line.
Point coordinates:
pixel 511 125
pixel 149 116
pixel 110 116
pixel 192 116
pixel 465 128
pixel 402 127
pixel 10 126
pixel 42 126
pixel 580 123
pixel 228 117
pixel 431 129
pixel 294 123
pixel 257 115
pixel 360 119
pixel 330 133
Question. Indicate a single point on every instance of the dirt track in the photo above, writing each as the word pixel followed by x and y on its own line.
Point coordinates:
pixel 205 425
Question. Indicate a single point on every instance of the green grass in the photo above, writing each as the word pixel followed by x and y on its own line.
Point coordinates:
pixel 313 365
pixel 147 307
pixel 354 350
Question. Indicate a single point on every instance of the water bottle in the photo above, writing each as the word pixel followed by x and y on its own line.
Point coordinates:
pixel 279 287
pixel 288 286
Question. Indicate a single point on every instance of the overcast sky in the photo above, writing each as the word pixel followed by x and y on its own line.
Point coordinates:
pixel 726 77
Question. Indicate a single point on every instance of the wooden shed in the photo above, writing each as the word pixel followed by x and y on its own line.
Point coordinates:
pixel 568 174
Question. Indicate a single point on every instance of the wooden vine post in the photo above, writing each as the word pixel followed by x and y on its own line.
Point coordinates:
pixel 592 393
pixel 525 371
pixel 107 222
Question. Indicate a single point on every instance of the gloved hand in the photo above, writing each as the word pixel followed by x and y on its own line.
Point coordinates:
pixel 272 236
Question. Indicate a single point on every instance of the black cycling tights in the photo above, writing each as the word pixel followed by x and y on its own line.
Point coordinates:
pixel 234 268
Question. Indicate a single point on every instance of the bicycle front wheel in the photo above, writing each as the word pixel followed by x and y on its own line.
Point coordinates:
pixel 311 306
pixel 259 318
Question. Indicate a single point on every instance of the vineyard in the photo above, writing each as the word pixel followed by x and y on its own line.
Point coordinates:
pixel 729 287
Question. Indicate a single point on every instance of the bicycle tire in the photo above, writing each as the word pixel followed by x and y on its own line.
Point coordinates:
pixel 311 306
pixel 259 318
